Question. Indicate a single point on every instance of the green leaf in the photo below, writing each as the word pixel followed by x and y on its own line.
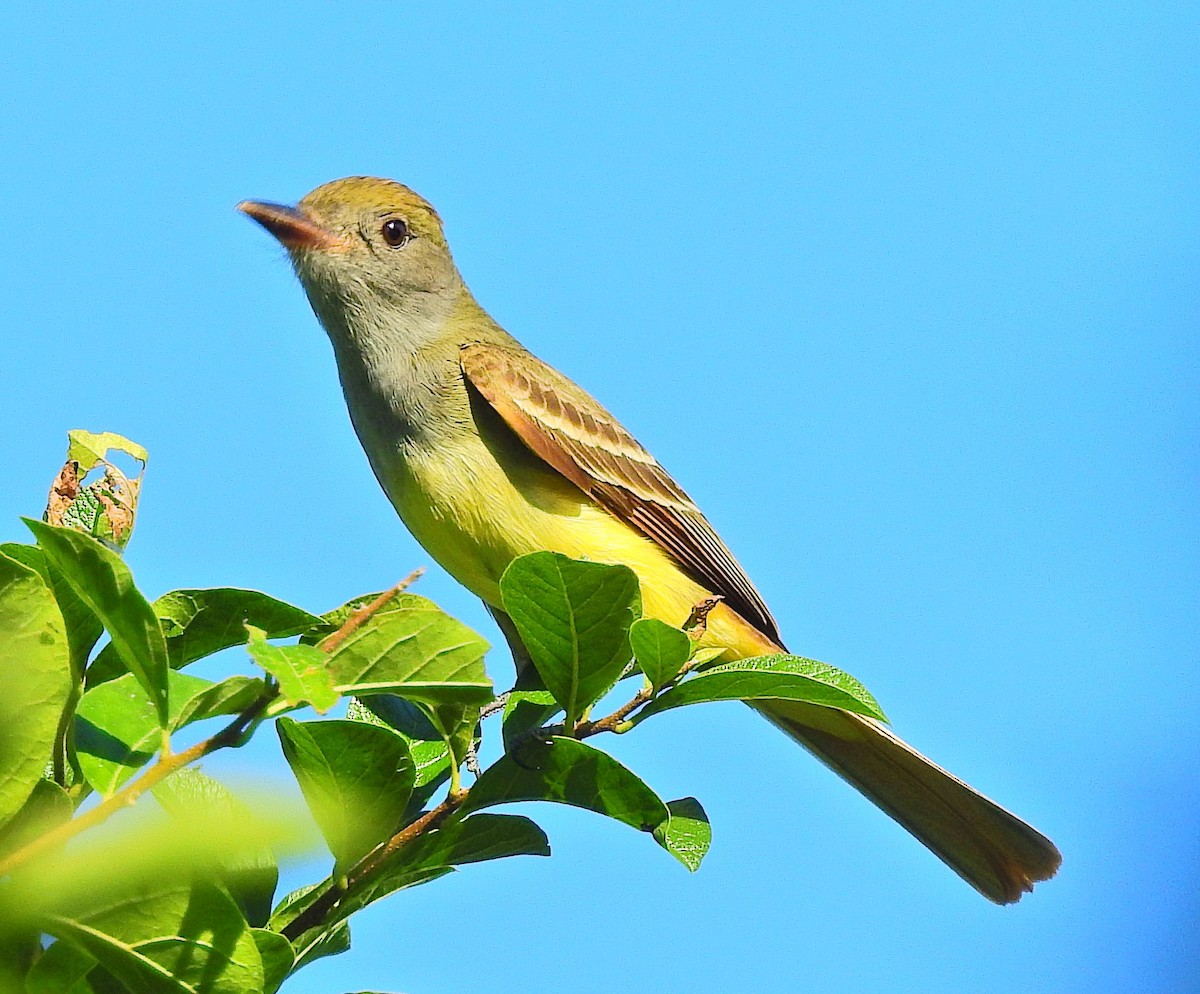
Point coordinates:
pixel 250 877
pixel 103 582
pixel 177 937
pixel 356 778
pixel 82 626
pixel 47 808
pixel 574 619
pixel 35 681
pixel 89 448
pixel 277 958
pixel 117 726
pixel 414 649
pixel 776 677
pixel 568 772
pixel 525 712
pixel 198 623
pixel 303 671
pixel 430 751
pixel 659 649
pixel 686 835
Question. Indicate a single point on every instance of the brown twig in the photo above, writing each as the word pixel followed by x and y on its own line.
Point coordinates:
pixel 610 722
pixel 166 765
pixel 315 913
pixel 332 641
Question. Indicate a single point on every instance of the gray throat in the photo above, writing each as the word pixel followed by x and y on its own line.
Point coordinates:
pixel 399 372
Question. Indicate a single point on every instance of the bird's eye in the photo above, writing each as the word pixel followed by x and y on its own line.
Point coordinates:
pixel 395 232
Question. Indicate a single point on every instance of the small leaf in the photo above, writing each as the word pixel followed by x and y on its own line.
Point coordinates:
pixel 574 619
pixel 702 657
pixel 430 752
pixel 776 677
pixel 404 716
pixel 414 649
pixel 355 777
pixel 106 507
pixel 198 623
pixel 659 649
pixel 686 835
pixel 35 681
pixel 568 772
pixel 277 958
pixel 103 582
pixel 302 671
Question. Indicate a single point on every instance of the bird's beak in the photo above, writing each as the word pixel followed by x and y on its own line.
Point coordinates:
pixel 292 226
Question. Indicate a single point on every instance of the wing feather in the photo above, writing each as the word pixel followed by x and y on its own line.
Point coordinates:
pixel 568 429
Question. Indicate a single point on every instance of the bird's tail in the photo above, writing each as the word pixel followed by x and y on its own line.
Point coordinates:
pixel 991 849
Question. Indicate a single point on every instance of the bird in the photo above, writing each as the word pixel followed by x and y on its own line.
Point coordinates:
pixel 487 454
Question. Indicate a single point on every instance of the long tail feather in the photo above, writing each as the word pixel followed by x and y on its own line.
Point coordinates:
pixel 992 849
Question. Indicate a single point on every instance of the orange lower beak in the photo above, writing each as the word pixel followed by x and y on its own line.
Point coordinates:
pixel 293 228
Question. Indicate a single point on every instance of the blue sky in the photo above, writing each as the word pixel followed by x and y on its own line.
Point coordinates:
pixel 905 295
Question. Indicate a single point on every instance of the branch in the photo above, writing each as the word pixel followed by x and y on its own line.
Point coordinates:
pixel 331 642
pixel 166 765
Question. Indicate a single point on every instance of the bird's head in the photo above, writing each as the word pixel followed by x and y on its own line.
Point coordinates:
pixel 361 244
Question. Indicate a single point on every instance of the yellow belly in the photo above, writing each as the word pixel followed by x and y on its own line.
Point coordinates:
pixel 475 516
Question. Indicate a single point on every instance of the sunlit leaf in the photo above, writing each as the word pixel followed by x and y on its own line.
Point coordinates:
pixel 35 681
pixel 686 835
pixel 303 671
pixel 659 649
pixel 355 777
pixel 103 582
pixel 777 677
pixel 574 619
pixel 414 649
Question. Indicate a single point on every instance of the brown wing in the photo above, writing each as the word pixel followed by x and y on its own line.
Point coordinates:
pixel 567 428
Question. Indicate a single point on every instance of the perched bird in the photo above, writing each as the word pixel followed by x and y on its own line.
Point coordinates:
pixel 488 454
